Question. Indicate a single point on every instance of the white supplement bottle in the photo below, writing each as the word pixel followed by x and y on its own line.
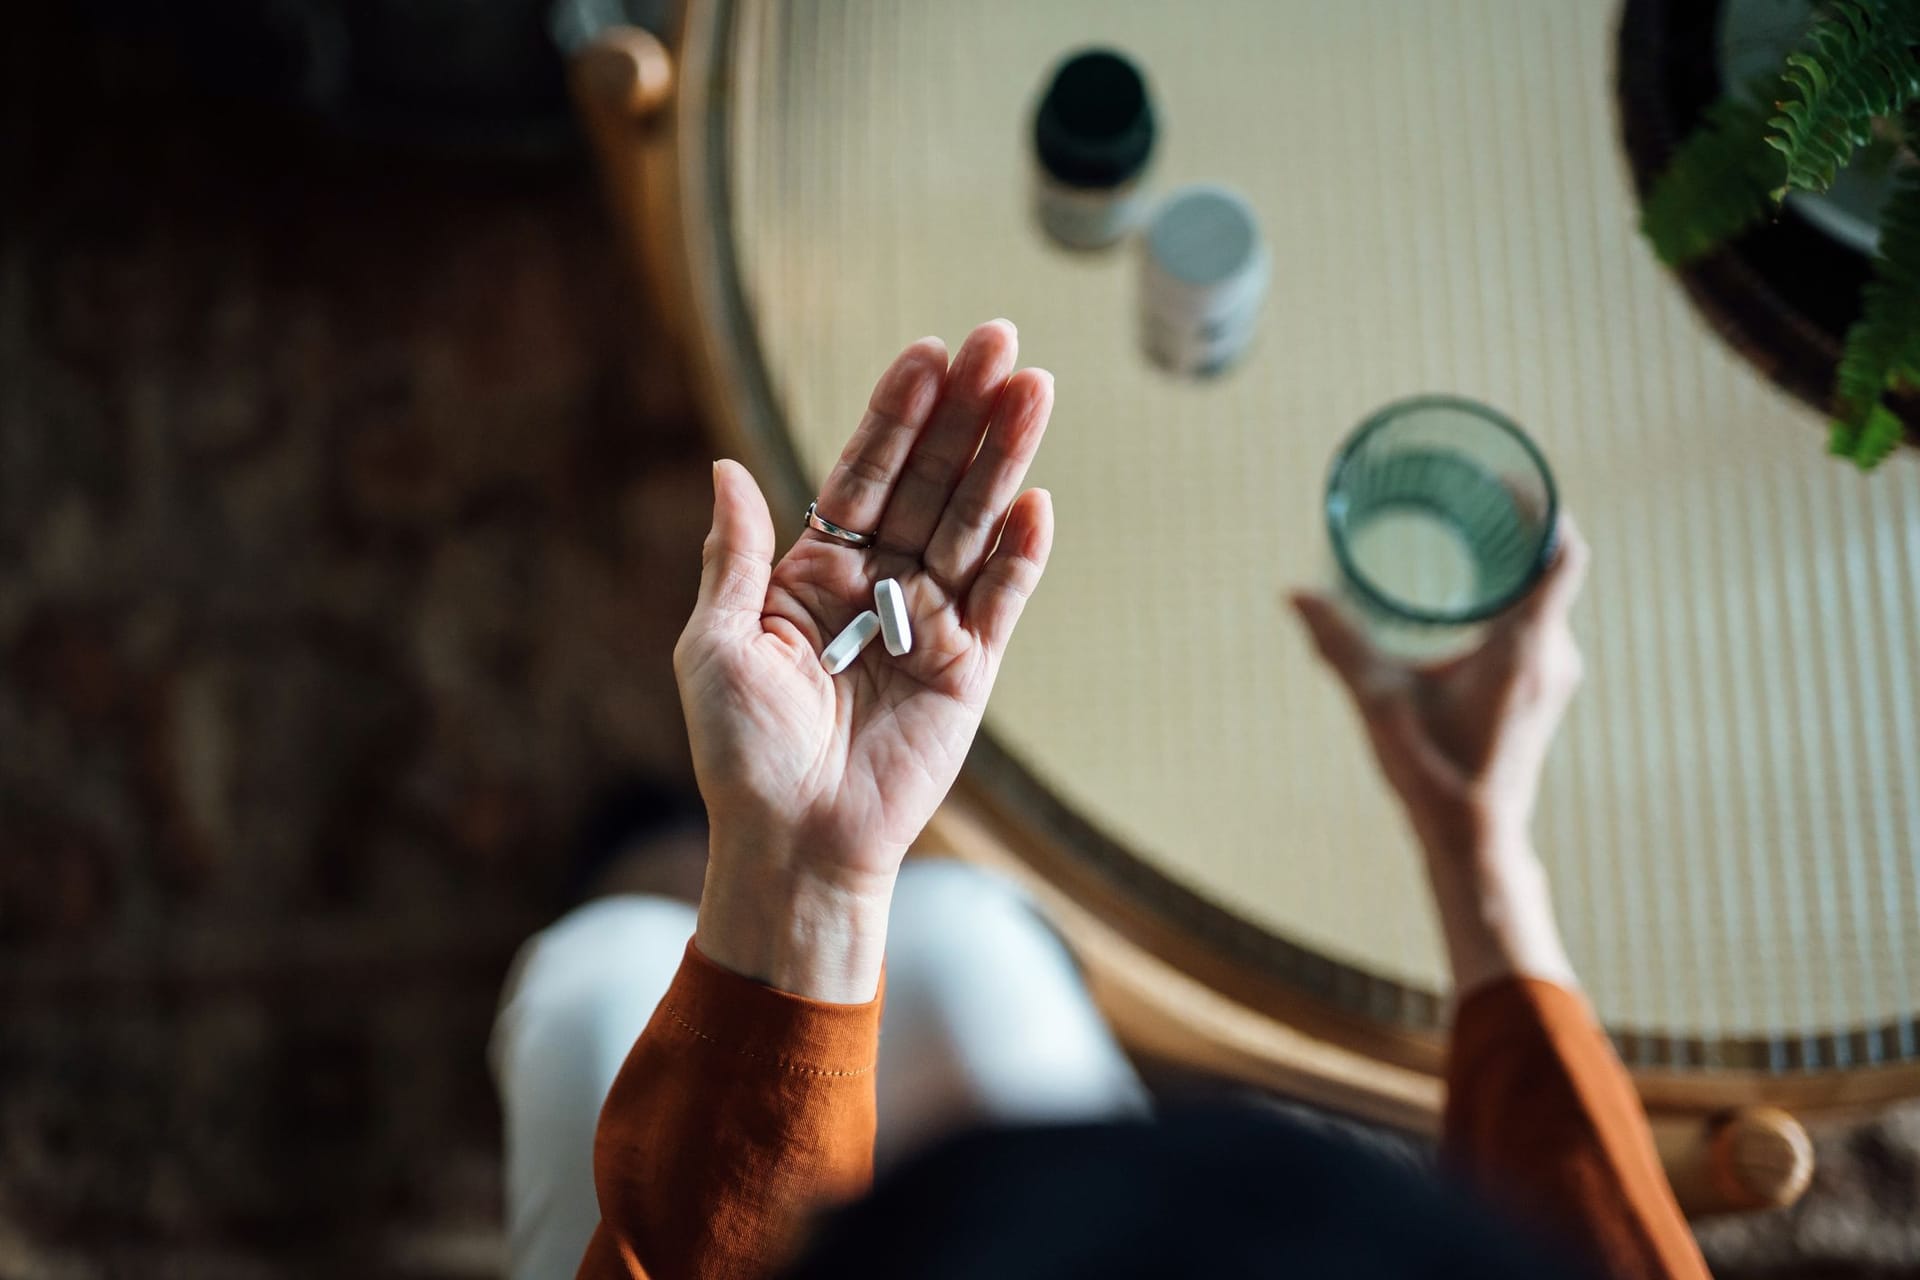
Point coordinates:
pixel 1203 279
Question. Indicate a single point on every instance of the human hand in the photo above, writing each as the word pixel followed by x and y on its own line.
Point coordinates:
pixel 1463 741
pixel 816 784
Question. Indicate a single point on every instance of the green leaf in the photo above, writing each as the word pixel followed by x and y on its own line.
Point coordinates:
pixel 1857 62
pixel 1840 437
pixel 1868 443
pixel 1718 183
pixel 1883 347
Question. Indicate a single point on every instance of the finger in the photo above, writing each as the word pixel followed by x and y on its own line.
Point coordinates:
pixel 979 505
pixel 1003 586
pixel 951 438
pixel 856 491
pixel 1341 644
pixel 736 560
pixel 1552 600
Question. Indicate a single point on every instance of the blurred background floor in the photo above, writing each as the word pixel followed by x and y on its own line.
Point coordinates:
pixel 344 536
pixel 341 557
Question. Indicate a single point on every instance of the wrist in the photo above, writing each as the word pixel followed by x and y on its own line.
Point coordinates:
pixel 1496 913
pixel 1474 836
pixel 815 932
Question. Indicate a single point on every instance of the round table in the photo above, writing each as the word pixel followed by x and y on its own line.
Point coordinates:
pixel 1729 818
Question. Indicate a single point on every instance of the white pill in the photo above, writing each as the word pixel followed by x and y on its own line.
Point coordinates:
pixel 846 646
pixel 891 602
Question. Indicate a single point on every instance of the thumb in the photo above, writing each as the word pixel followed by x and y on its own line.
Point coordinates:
pixel 1405 749
pixel 1345 649
pixel 1406 752
pixel 737 559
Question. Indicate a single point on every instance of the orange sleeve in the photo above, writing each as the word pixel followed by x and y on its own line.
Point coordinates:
pixel 1541 1113
pixel 739 1108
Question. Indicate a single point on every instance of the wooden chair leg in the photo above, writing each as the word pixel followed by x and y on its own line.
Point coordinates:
pixel 624 73
pixel 624 86
pixel 1737 1161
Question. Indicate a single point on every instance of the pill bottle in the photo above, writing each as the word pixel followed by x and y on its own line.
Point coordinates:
pixel 1092 137
pixel 1203 278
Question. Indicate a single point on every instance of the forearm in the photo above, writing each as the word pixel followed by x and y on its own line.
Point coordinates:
pixel 767 916
pixel 1496 908
pixel 749 1099
pixel 1539 1110
pixel 739 1109
pixel 1541 1114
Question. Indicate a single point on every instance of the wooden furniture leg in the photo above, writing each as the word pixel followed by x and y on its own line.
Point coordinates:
pixel 623 86
pixel 1739 1160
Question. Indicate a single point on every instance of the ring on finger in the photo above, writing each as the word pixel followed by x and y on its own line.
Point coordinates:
pixel 820 524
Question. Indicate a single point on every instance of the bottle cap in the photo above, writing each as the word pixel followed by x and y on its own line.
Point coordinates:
pixel 1095 123
pixel 1203 236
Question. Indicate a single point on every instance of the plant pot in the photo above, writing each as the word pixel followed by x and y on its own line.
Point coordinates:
pixel 1784 293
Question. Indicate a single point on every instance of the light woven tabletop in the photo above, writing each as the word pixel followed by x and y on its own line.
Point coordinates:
pixel 1730 818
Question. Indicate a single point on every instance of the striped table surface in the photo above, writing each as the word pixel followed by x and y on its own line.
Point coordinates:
pixel 1729 817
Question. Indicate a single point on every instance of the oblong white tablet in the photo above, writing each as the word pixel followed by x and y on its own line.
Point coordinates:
pixel 891 603
pixel 846 646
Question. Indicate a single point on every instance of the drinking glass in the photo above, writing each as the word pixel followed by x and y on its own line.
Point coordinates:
pixel 1441 512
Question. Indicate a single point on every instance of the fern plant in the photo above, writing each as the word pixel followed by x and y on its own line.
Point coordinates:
pixel 1850 92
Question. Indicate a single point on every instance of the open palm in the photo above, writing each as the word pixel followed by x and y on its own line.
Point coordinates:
pixel 844 771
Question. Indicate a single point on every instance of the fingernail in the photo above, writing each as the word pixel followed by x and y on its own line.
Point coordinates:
pixel 1010 324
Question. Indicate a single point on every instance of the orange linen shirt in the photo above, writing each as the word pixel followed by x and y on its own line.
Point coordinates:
pixel 742 1108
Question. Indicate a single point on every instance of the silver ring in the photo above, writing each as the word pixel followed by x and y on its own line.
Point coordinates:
pixel 820 524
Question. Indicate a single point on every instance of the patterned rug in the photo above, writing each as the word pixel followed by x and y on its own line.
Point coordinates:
pixel 334 508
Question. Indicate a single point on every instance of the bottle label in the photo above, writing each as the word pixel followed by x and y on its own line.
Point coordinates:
pixel 1085 218
pixel 1200 335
